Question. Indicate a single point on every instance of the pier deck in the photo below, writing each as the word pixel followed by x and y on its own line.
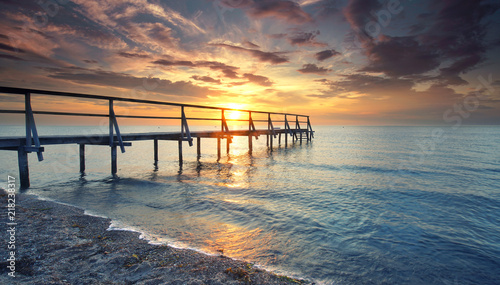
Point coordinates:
pixel 32 142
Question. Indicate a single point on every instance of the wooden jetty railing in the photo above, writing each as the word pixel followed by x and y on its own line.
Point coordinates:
pixel 32 142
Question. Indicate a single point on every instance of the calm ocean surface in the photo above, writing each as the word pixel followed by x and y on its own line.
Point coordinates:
pixel 358 205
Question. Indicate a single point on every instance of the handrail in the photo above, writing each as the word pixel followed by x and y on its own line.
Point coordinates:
pixel 23 91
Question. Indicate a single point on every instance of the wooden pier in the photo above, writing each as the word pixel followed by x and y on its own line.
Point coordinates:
pixel 32 142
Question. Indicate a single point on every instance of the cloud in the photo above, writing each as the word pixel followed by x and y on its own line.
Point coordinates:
pixel 258 79
pixel 358 12
pixel 287 11
pixel 11 48
pixel 90 61
pixel 399 56
pixel 306 39
pixel 326 54
pixel 314 69
pixel 451 75
pixel 207 79
pixel 272 57
pixel 133 55
pixel 11 57
pixel 277 36
pixel 228 70
pixel 122 80
pixel 249 44
pixel 235 3
pixel 453 34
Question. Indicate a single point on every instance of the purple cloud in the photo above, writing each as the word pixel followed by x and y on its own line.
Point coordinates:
pixel 258 79
pixel 326 54
pixel 207 79
pixel 228 70
pixel 306 39
pixel 314 69
pixel 272 57
pixel 122 80
pixel 288 11
pixel 133 55
pixel 399 56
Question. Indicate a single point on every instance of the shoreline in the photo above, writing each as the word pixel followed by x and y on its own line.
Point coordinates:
pixel 57 243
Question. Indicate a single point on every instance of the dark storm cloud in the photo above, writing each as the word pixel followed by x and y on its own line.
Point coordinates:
pixel 326 54
pixel 314 69
pixel 454 34
pixel 398 56
pixel 262 56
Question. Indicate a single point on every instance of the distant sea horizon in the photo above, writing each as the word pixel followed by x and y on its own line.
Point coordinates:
pixel 357 205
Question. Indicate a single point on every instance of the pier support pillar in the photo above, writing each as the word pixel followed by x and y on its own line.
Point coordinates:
pixel 82 158
pixel 155 143
pixel 180 152
pixel 24 173
pixel 279 139
pixel 250 143
pixel 300 137
pixel 228 144
pixel 114 165
pixel 271 142
pixel 198 148
pixel 218 148
pixel 286 140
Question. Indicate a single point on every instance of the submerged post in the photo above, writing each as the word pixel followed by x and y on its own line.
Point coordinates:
pixel 155 144
pixel 82 158
pixel 198 148
pixel 180 152
pixel 287 129
pixel 250 124
pixel 114 166
pixel 218 148
pixel 24 172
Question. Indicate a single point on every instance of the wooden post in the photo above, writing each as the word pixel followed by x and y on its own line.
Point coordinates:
pixel 218 148
pixel 198 148
pixel 279 139
pixel 228 143
pixel 180 152
pixel 82 158
pixel 286 139
pixel 24 172
pixel 155 151
pixel 286 132
pixel 114 165
pixel 27 118
pixel 250 143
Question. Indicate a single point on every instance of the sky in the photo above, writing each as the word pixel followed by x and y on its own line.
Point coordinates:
pixel 343 62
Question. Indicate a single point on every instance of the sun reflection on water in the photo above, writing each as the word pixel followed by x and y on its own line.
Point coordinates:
pixel 235 241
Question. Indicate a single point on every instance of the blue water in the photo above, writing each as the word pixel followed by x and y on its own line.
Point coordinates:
pixel 358 205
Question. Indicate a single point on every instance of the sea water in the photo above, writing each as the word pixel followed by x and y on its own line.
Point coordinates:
pixel 357 205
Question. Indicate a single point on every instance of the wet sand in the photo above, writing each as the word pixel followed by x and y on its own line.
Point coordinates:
pixel 59 244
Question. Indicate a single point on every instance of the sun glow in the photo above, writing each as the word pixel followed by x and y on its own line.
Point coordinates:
pixel 235 115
